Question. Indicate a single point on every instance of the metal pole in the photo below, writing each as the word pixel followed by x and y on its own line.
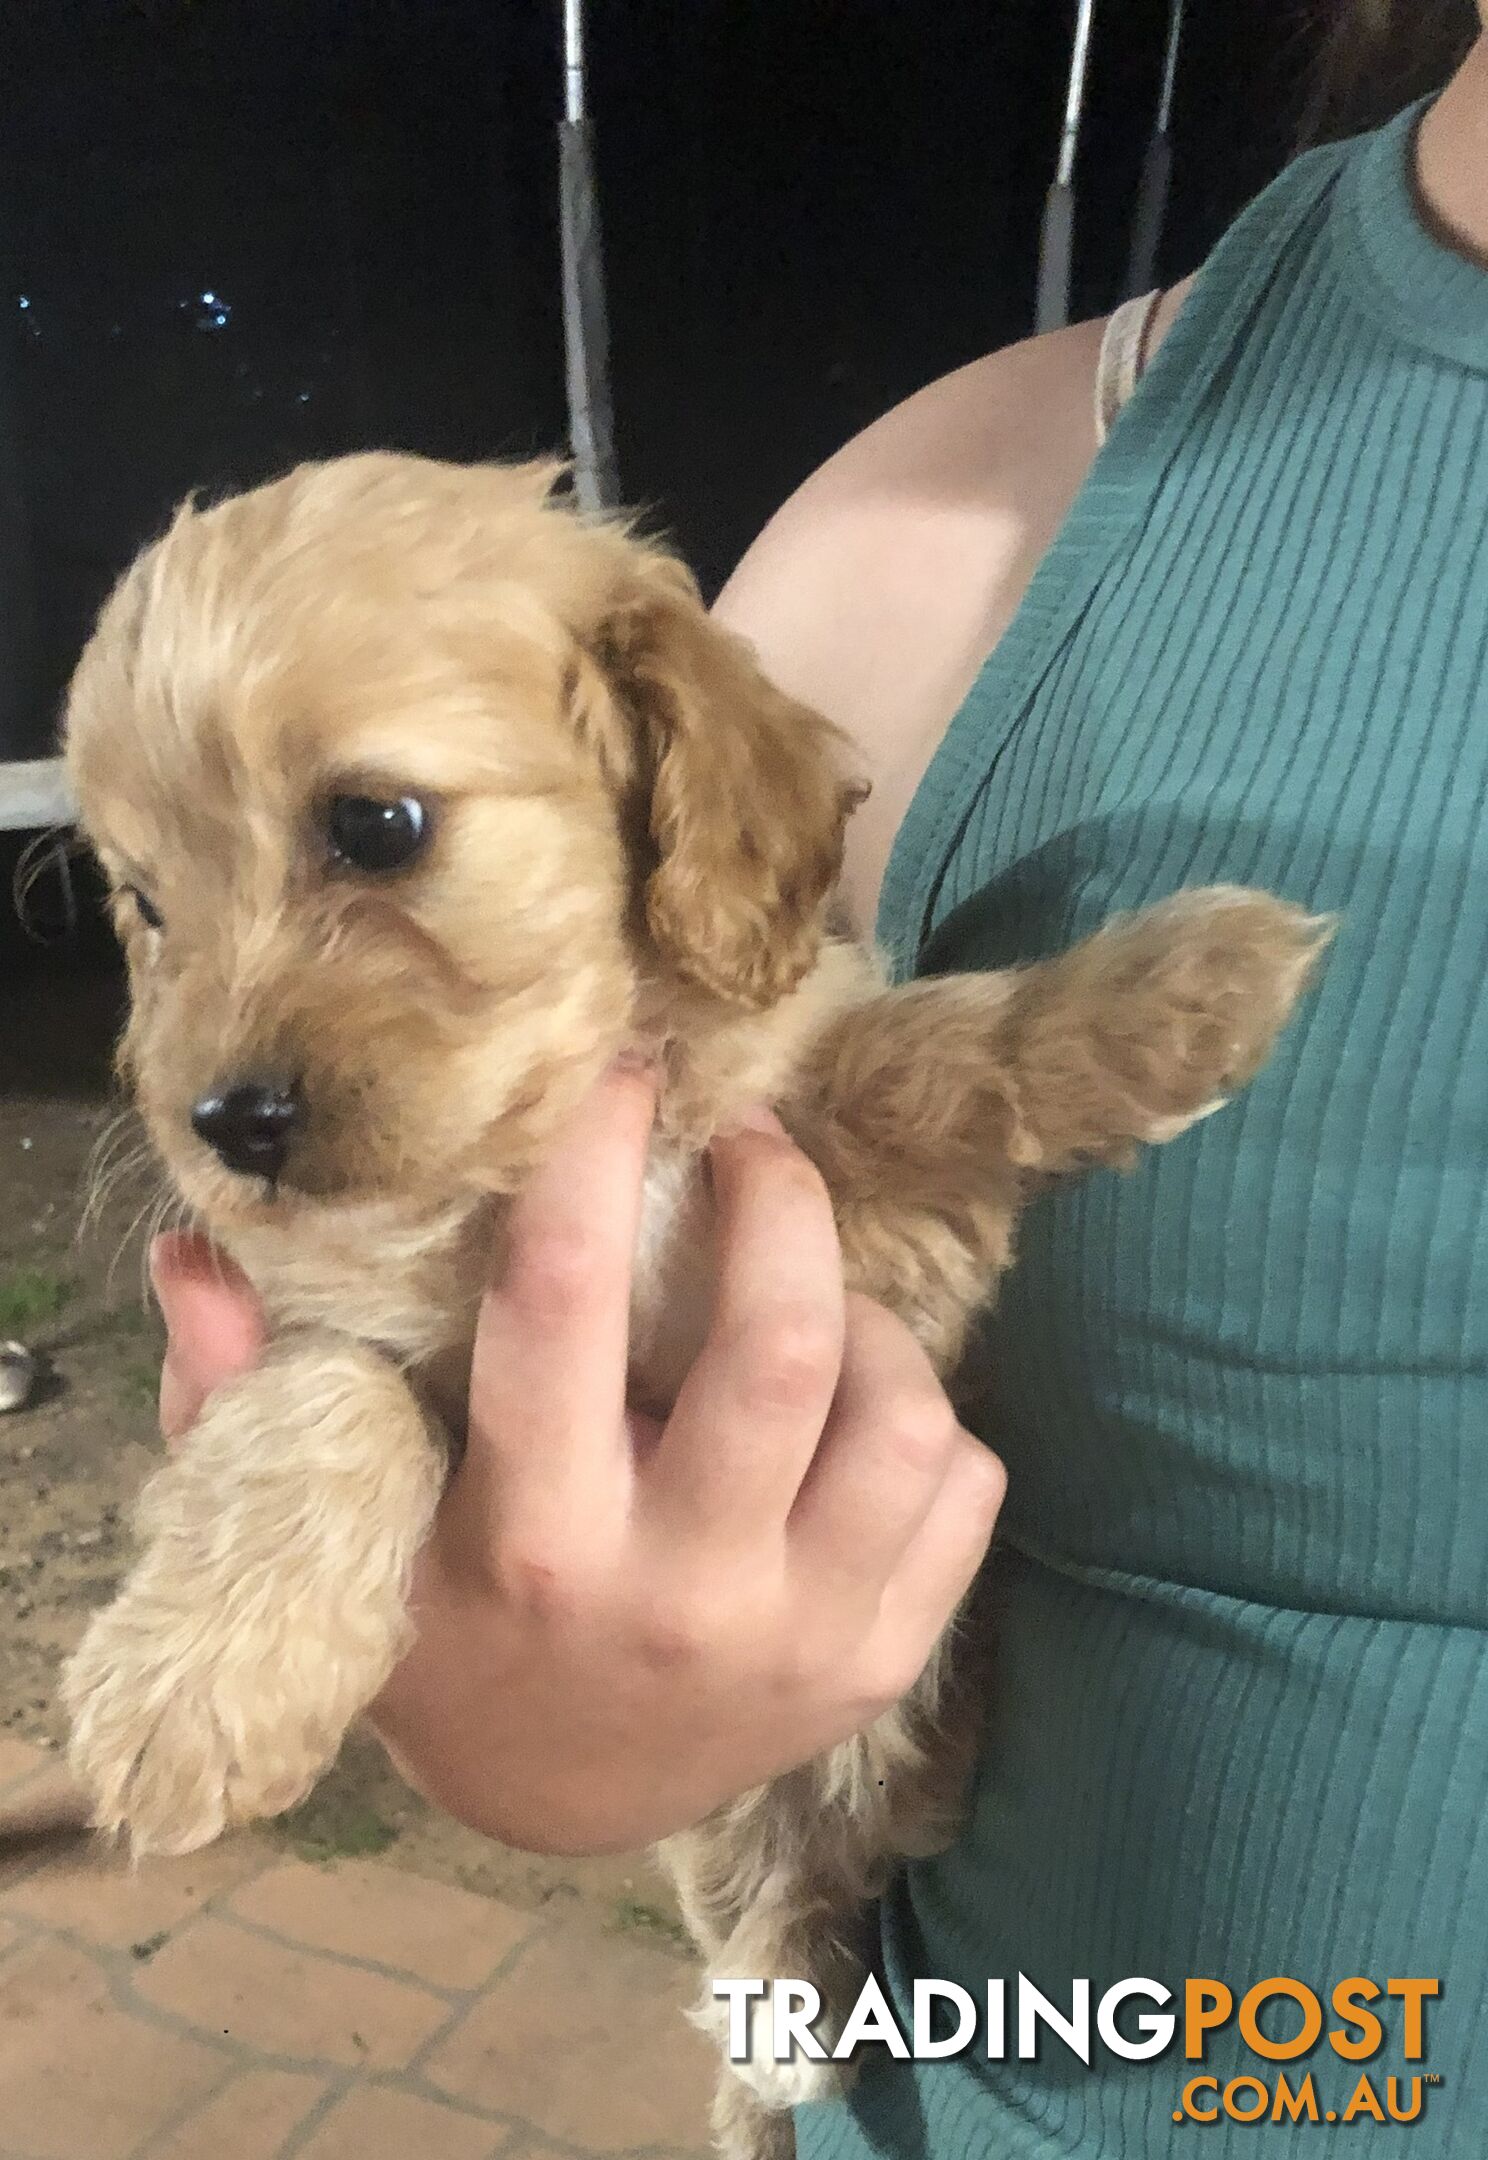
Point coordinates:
pixel 573 60
pixel 1170 68
pixel 1057 237
pixel 1150 214
pixel 585 325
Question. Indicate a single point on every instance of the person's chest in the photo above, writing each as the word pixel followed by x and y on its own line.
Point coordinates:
pixel 1261 1361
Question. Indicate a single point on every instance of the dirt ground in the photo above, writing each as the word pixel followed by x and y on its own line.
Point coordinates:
pixel 72 1461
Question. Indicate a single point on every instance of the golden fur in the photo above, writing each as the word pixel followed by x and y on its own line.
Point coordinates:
pixel 635 841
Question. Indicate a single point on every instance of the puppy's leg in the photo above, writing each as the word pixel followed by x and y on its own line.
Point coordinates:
pixel 934 1109
pixel 778 1885
pixel 931 1111
pixel 269 1603
pixel 745 2129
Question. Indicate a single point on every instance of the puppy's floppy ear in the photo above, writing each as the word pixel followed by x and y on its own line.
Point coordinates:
pixel 740 792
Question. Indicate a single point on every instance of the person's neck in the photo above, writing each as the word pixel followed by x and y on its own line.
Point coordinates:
pixel 1452 158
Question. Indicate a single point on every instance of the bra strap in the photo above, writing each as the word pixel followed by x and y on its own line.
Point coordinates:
pixel 1123 354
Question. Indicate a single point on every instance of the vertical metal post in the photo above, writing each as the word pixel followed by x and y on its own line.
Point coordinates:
pixel 573 60
pixel 1057 236
pixel 1151 211
pixel 585 323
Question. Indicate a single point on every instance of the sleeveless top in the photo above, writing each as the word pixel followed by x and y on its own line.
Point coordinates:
pixel 1238 1724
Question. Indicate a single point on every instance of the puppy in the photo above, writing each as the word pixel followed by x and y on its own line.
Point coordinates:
pixel 422 799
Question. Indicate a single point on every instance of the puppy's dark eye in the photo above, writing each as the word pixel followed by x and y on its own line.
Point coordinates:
pixel 149 913
pixel 375 836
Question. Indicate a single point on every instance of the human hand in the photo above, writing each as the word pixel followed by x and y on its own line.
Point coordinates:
pixel 623 1623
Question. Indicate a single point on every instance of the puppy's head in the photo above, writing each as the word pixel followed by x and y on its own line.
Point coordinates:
pixel 414 788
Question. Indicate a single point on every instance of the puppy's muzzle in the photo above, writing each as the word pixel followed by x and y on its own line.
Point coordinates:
pixel 252 1125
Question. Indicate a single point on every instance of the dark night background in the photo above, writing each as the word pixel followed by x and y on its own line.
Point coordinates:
pixel 811 207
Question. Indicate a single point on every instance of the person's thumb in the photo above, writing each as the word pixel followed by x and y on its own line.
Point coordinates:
pixel 214 1324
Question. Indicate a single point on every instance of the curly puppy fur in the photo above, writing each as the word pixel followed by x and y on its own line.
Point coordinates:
pixel 633 843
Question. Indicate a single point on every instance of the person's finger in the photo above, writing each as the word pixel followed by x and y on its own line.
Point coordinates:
pixel 749 1414
pixel 889 1443
pixel 547 1391
pixel 214 1324
pixel 941 1561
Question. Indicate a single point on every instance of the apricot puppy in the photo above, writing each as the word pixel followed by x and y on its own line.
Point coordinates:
pixel 422 798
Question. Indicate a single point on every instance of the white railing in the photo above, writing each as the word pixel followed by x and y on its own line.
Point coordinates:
pixel 34 795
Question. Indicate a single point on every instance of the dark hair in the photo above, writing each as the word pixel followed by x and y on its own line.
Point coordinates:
pixel 1377 55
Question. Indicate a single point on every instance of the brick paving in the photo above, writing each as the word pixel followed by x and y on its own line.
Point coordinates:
pixel 241 2005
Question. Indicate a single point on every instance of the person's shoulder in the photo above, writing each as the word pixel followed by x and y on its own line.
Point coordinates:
pixel 922 511
pixel 930 490
pixel 876 592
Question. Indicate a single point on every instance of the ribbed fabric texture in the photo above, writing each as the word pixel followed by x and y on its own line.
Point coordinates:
pixel 1240 1717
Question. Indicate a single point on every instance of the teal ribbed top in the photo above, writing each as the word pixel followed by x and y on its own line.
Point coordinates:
pixel 1239 1723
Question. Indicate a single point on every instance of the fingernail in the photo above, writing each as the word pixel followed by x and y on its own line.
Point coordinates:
pixel 175 1403
pixel 180 1252
pixel 174 1257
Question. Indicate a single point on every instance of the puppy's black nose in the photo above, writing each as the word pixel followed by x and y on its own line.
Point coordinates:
pixel 251 1125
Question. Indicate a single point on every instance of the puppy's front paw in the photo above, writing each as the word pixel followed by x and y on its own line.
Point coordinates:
pixel 792 2084
pixel 178 1735
pixel 268 1606
pixel 745 2129
pixel 777 2085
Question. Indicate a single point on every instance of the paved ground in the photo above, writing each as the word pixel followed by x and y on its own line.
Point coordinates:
pixel 245 2005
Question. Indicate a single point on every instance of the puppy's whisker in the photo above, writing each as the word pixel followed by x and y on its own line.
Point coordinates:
pixel 191 1220
pixel 141 1216
pixel 167 1208
pixel 126 1158
pixel 114 1138
pixel 120 1154
pixel 54 850
pixel 108 1190
pixel 120 1130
